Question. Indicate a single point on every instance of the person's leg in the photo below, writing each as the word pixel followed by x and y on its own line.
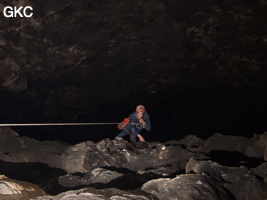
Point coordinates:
pixel 134 133
pixel 124 131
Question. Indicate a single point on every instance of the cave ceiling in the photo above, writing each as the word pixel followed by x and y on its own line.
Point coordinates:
pixel 84 53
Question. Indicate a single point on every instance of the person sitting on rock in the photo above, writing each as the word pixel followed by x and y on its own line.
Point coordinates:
pixel 137 121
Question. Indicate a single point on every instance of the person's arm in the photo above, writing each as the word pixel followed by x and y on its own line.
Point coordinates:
pixel 132 117
pixel 146 122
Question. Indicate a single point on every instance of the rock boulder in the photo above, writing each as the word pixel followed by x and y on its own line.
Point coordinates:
pixel 11 189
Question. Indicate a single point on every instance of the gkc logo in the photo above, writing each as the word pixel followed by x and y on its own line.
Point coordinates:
pixel 18 12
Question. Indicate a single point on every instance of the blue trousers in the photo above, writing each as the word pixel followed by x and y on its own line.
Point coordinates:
pixel 132 129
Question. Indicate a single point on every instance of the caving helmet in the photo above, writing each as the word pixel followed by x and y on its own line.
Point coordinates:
pixel 140 108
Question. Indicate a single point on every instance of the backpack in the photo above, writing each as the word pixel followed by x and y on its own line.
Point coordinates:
pixel 124 123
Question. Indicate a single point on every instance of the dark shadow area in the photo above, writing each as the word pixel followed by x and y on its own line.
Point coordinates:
pixel 131 180
pixel 38 173
pixel 119 170
pixel 127 182
pixel 234 159
pixel 178 172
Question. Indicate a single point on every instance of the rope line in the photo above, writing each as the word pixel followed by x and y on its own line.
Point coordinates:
pixel 57 124
pixel 130 135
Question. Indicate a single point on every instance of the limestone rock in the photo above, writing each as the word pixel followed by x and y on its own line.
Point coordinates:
pixel 88 156
pixel 70 181
pixel 222 167
pixel 226 143
pixel 9 140
pixel 238 180
pixel 165 171
pixel 93 194
pixel 72 159
pixel 187 187
pixel 14 189
pixel 136 159
pixel 189 141
pixel 258 148
pixel 7 132
pixel 98 175
pixel 23 149
pixel 261 171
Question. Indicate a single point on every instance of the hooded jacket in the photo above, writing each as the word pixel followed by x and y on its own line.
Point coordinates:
pixel 135 121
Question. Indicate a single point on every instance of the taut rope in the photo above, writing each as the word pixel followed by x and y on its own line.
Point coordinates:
pixel 57 124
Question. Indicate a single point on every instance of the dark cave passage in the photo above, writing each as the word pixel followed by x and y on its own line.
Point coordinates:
pixel 173 116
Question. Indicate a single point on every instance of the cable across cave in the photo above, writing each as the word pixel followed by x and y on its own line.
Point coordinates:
pixel 58 124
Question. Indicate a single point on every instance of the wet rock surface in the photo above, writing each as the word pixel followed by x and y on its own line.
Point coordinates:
pixel 116 169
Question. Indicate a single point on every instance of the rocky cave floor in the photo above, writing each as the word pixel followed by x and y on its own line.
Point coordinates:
pixel 221 167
